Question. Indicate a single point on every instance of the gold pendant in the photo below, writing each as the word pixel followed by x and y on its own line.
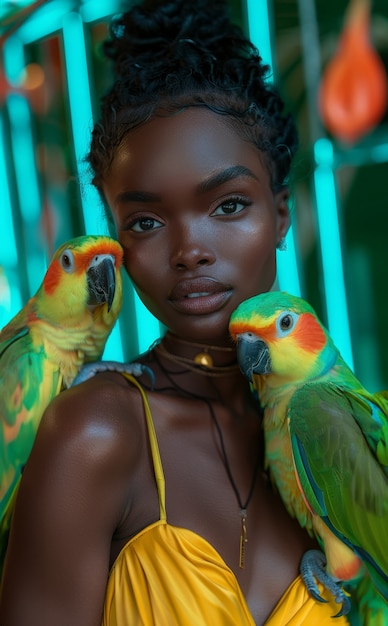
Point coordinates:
pixel 204 359
pixel 243 538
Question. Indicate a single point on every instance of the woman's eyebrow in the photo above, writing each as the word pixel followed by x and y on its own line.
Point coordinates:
pixel 224 176
pixel 212 182
pixel 136 196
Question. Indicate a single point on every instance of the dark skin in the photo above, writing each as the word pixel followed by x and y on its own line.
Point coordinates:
pixel 191 200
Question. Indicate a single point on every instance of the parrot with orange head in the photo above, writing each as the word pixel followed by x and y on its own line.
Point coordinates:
pixel 326 448
pixel 56 340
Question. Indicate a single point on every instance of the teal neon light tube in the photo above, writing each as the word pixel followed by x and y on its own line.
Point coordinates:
pixel 330 241
pixel 81 119
pixel 10 296
pixel 259 27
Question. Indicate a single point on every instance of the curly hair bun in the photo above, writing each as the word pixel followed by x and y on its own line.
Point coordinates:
pixel 164 34
pixel 169 55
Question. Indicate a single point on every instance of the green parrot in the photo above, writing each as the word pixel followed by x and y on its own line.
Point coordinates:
pixel 326 445
pixel 44 347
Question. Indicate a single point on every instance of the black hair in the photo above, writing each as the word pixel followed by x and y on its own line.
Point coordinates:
pixel 169 55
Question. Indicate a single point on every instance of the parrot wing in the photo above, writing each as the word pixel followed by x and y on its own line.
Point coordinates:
pixel 30 381
pixel 340 476
pixel 376 430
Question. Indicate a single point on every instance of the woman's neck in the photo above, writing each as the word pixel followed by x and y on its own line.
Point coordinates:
pixel 206 357
pixel 203 370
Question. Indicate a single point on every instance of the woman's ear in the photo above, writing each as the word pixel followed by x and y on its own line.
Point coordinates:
pixel 283 212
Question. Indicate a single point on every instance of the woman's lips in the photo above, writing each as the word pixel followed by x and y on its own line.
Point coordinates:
pixel 199 296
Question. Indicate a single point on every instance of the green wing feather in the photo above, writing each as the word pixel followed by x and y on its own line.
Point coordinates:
pixel 30 381
pixel 341 477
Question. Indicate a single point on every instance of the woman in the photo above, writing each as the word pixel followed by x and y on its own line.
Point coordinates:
pixel 148 505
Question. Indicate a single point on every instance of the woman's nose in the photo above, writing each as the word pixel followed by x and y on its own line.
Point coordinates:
pixel 191 250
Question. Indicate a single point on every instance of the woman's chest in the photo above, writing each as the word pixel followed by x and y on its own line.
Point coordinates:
pixel 207 480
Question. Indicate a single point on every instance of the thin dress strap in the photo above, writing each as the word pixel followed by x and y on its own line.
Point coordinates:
pixel 158 469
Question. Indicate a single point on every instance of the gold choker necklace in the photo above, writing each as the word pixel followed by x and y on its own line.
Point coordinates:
pixel 202 362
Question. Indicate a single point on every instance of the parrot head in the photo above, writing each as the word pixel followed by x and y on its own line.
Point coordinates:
pixel 82 288
pixel 279 336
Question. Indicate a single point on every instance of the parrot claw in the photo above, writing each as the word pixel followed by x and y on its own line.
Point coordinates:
pixel 91 369
pixel 313 567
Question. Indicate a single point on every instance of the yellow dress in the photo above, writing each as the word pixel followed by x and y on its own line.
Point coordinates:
pixel 170 576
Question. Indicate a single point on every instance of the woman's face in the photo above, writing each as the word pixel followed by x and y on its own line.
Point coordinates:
pixel 197 219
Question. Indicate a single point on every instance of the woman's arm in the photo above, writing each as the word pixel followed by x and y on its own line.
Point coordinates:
pixel 71 498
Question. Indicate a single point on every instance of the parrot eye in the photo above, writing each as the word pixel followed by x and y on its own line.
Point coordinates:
pixel 286 322
pixel 67 260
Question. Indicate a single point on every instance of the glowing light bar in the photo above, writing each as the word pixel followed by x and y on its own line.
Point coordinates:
pixel 8 252
pixel 44 21
pixel 14 60
pixel 27 185
pixel 24 158
pixel 287 266
pixel 10 296
pixel 82 119
pixel 259 28
pixel 93 10
pixel 330 240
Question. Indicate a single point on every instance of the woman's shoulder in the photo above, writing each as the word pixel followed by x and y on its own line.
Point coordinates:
pixel 89 445
pixel 102 417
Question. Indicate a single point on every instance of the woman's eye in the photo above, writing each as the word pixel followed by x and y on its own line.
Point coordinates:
pixel 231 206
pixel 145 224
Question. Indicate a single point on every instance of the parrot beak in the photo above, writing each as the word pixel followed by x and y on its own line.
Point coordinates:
pixel 252 355
pixel 101 280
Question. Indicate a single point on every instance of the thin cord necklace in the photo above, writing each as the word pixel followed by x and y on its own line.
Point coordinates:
pixel 242 505
pixel 202 362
